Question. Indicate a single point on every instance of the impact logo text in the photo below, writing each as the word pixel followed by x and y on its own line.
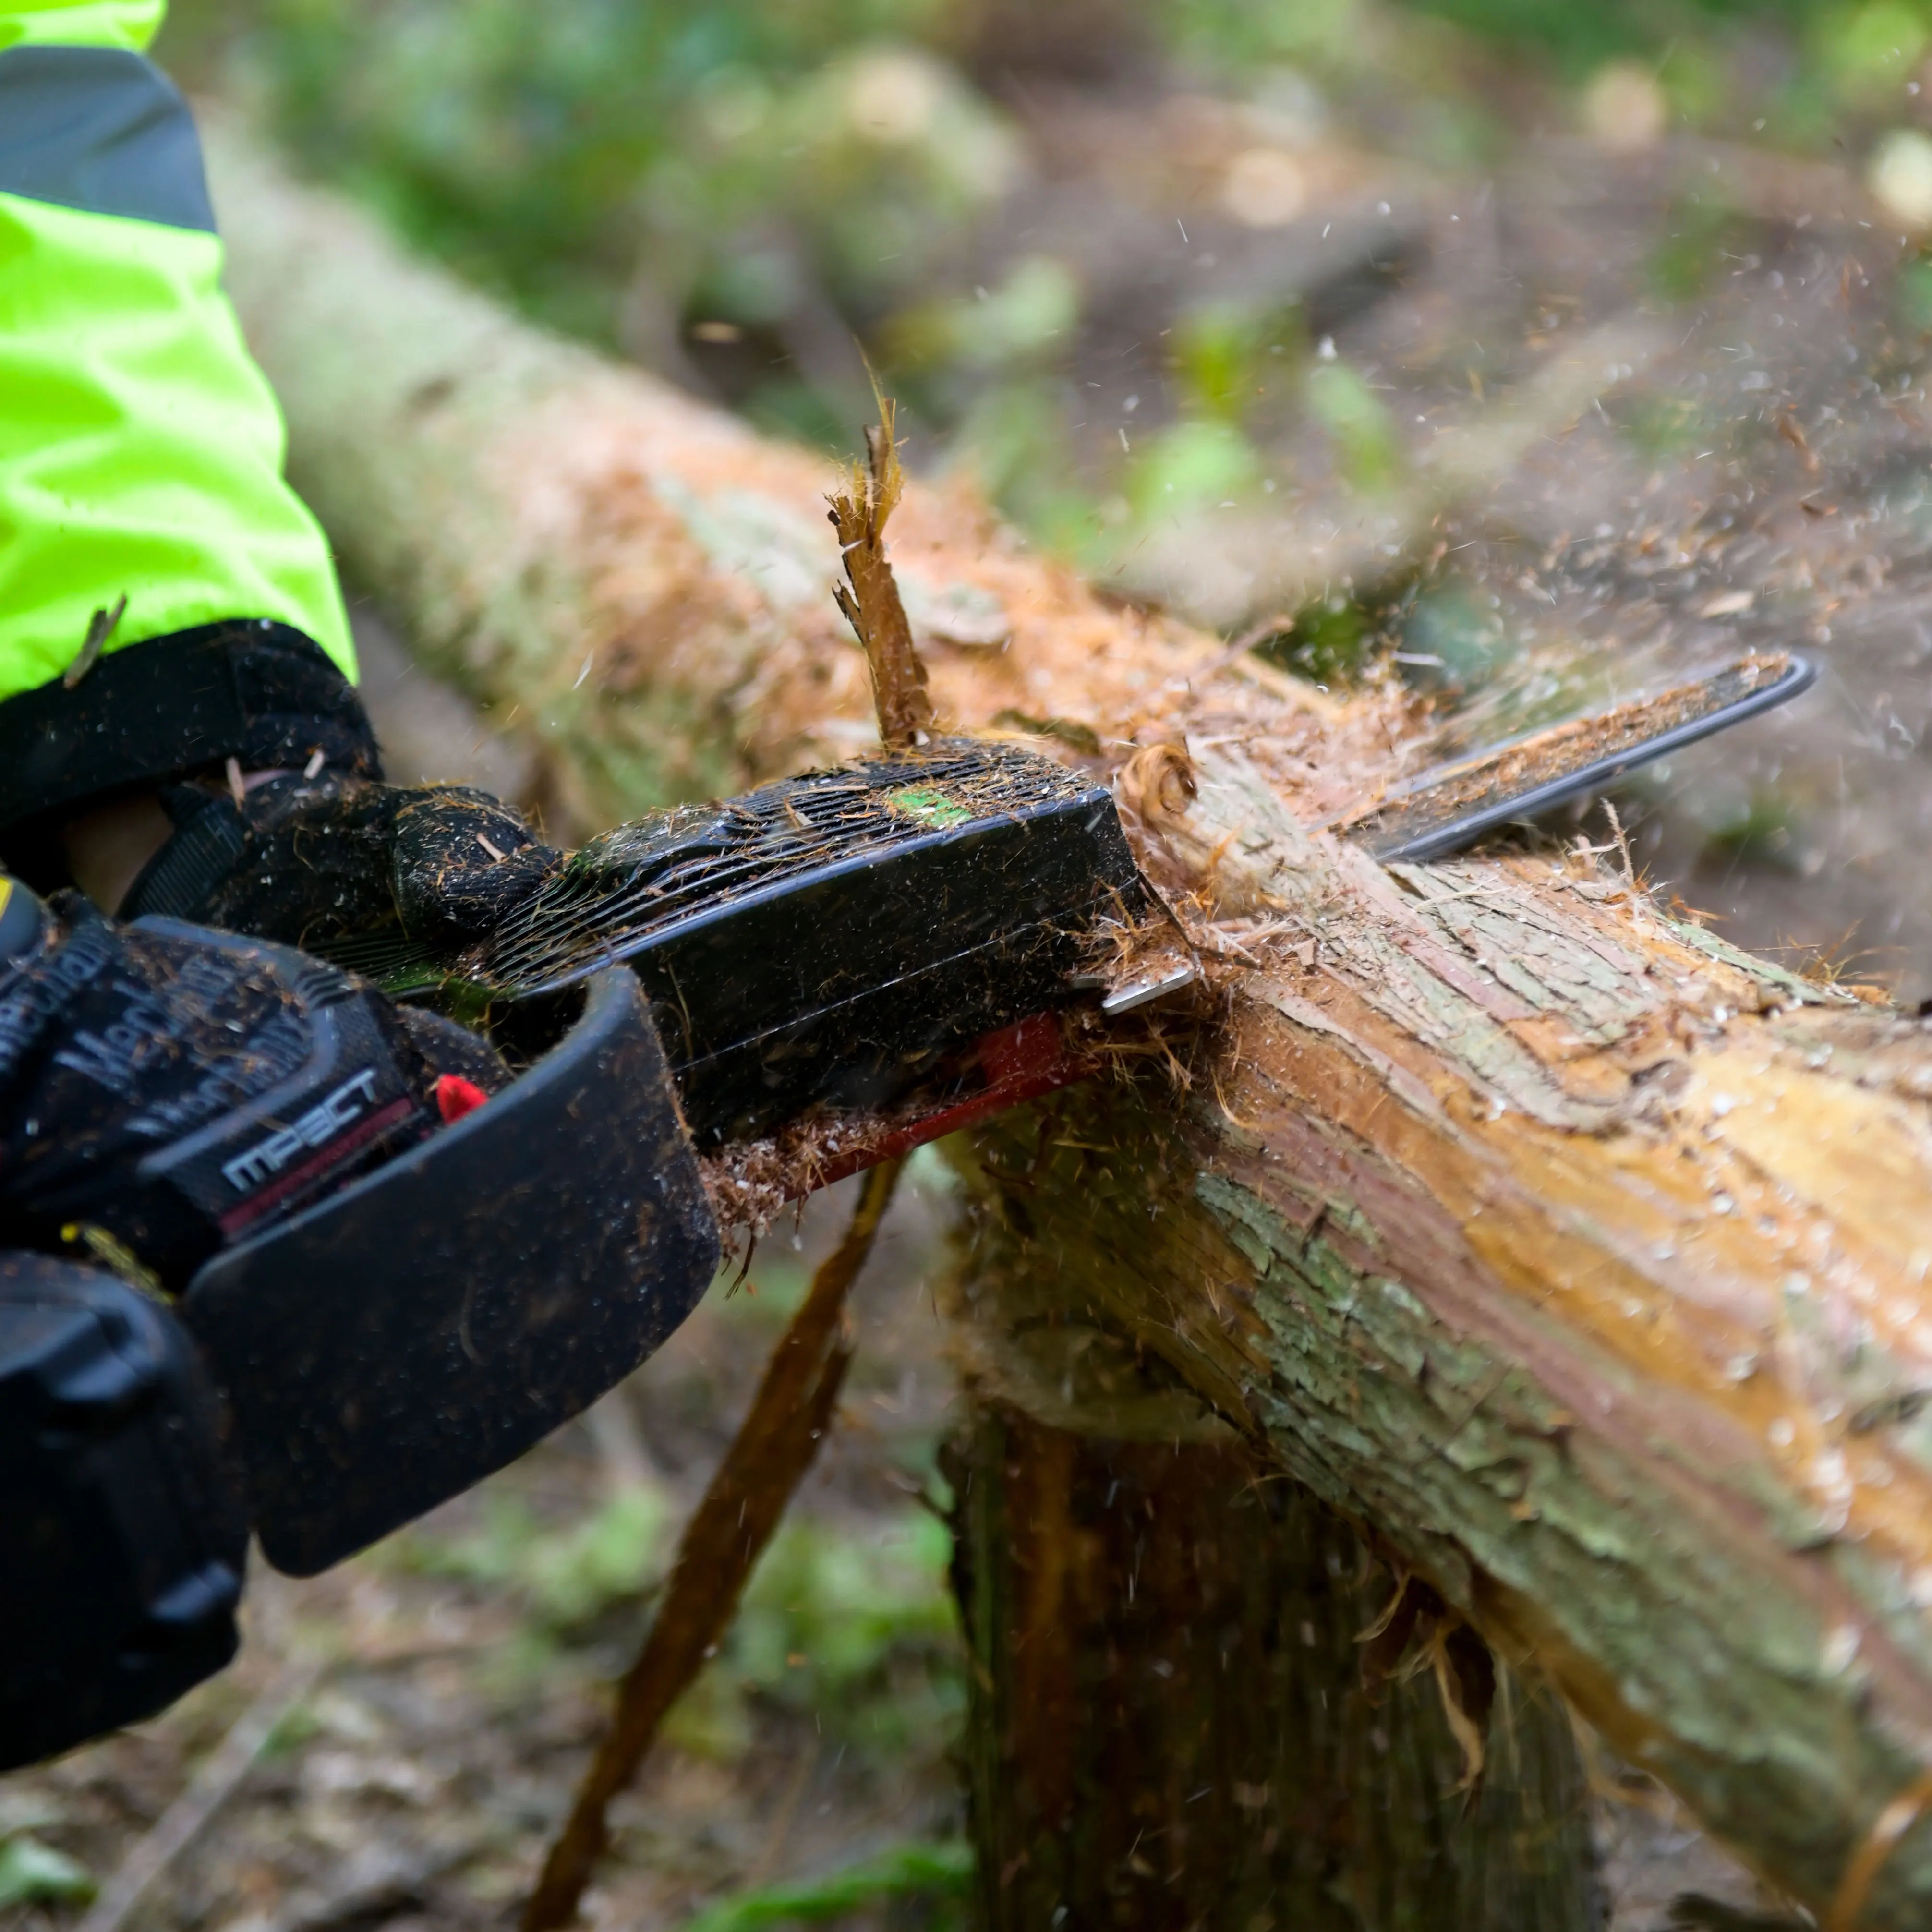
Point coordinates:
pixel 319 1125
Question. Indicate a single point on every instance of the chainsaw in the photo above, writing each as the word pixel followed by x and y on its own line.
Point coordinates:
pixel 879 953
pixel 887 949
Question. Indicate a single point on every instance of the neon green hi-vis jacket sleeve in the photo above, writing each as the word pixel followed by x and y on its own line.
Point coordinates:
pixel 140 446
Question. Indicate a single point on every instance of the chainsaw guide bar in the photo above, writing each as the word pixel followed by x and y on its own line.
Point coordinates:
pixel 1450 806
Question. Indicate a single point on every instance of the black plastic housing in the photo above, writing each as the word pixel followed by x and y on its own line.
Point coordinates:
pixel 824 940
pixel 124 1541
pixel 403 1339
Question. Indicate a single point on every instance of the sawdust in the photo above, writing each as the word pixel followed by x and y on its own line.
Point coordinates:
pixel 753 1184
pixel 1159 781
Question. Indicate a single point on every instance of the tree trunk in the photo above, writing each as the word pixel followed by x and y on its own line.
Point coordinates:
pixel 1171 1728
pixel 1576 1256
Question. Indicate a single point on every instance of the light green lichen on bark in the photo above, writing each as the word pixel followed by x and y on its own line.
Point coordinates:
pixel 1374 1404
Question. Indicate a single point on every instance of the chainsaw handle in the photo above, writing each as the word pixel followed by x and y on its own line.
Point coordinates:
pixel 385 1349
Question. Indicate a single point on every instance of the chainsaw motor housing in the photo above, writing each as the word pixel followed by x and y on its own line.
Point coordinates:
pixel 825 940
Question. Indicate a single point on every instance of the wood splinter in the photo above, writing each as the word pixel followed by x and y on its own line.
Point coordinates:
pixel 872 605
pixel 747 1499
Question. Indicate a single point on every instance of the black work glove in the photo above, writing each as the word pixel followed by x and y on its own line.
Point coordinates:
pixel 322 855
pixel 164 1089
pixel 367 873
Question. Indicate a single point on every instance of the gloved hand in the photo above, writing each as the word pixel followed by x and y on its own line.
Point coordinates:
pixel 360 870
pixel 163 1089
pixel 127 1532
pixel 163 1092
pixel 240 752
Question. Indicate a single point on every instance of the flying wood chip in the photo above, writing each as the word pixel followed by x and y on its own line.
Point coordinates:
pixel 871 605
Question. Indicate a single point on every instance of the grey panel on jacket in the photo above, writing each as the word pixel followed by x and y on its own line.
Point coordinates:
pixel 101 130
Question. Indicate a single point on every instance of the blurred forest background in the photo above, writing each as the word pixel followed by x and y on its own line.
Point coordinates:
pixel 1516 348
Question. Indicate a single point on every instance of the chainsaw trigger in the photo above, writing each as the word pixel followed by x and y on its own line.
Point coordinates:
pixel 456 1096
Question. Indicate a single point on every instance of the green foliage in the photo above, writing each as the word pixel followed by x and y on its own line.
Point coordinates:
pixel 1361 432
pixel 1191 465
pixel 797 409
pixel 548 150
pixel 1444 638
pixel 1580 38
pixel 1217 351
pixel 921 1869
pixel 1012 439
pixel 1233 39
pixel 858 1631
pixel 1761 829
pixel 1239 36
pixel 1848 58
pixel 295 1727
pixel 1468 643
pixel 1019 321
pixel 1868 51
pixel 1660 428
pixel 1327 642
pixel 566 1575
pixel 1577 38
pixel 1703 240
pixel 862 1633
pixel 1914 297
pixel 32 1873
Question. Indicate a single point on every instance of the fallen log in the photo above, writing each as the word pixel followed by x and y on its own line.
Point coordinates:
pixel 1578 1257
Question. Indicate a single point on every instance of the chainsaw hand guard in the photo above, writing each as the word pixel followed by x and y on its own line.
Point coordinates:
pixel 401 1340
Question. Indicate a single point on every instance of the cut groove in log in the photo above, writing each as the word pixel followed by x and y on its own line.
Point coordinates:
pixel 1579 1257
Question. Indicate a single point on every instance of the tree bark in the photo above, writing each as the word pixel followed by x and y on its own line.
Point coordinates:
pixel 1171 1727
pixel 1579 1258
